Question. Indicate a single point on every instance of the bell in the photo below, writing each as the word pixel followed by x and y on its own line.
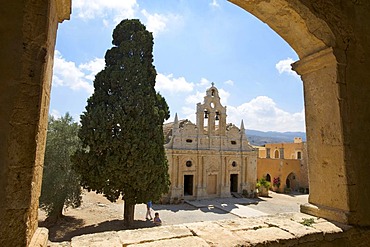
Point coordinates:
pixel 217 115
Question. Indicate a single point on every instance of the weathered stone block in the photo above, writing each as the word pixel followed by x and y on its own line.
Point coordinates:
pixel 103 239
pixel 153 234
pixel 178 242
pixel 243 224
pixel 208 230
pixel 267 236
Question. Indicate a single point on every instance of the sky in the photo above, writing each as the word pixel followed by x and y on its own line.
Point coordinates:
pixel 196 42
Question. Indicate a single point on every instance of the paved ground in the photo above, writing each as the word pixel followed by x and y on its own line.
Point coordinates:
pixel 225 208
pixel 97 214
pixel 229 222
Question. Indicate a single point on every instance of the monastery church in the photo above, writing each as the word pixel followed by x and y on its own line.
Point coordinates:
pixel 210 158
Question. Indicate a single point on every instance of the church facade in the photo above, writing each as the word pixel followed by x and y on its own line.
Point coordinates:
pixel 209 159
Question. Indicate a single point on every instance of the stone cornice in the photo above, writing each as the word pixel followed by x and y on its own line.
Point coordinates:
pixel 315 61
pixel 64 8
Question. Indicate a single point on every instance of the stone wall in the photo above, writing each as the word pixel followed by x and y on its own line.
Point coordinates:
pixel 27 52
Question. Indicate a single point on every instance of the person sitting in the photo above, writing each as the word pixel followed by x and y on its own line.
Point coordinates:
pixel 157 221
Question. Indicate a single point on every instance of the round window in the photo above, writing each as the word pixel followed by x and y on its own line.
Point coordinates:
pixel 188 163
pixel 233 164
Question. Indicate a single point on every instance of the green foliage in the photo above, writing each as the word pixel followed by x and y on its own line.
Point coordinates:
pixel 122 135
pixel 60 184
pixel 308 222
pixel 263 183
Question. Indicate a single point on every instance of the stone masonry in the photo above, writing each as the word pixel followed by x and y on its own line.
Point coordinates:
pixel 283 229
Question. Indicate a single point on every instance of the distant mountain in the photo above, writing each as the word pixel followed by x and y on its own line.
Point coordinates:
pixel 260 138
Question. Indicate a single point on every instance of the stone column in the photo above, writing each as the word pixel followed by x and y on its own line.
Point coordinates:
pixel 27 53
pixel 176 171
pixel 242 172
pixel 200 119
pixel 211 124
pixel 251 171
pixel 204 174
pixel 225 185
pixel 325 145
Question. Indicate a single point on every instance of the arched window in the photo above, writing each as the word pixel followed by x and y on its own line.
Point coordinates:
pixel 276 154
pixel 268 177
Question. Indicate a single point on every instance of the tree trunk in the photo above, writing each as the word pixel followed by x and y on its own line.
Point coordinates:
pixel 128 214
pixel 54 216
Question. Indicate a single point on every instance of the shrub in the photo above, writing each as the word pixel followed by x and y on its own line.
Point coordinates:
pixel 263 183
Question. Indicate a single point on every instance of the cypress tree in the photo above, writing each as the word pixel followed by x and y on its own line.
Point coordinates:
pixel 121 131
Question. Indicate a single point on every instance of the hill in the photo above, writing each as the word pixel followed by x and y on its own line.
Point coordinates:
pixel 260 138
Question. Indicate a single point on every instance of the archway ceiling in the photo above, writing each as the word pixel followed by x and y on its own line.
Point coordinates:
pixel 294 22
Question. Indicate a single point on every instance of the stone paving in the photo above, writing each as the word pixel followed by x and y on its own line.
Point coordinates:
pixel 283 229
pixel 243 226
pixel 225 208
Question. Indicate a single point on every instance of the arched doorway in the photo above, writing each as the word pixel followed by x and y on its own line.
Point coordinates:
pixel 268 177
pixel 291 182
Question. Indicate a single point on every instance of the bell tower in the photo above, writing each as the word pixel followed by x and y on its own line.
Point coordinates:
pixel 212 113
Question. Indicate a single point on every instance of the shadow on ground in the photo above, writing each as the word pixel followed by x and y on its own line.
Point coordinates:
pixel 69 227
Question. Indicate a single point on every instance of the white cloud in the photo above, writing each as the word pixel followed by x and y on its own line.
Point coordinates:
pixel 55 113
pixel 214 4
pixel 114 9
pixel 94 67
pixel 155 23
pixel 189 113
pixel 106 23
pixel 262 113
pixel 284 66
pixel 173 85
pixel 67 74
pixel 229 82
pixel 204 82
pixel 224 95
pixel 194 99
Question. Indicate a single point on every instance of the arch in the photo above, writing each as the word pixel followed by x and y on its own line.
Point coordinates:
pixel 340 130
pixel 291 182
pixel 276 154
pixel 268 177
pixel 320 33
pixel 294 22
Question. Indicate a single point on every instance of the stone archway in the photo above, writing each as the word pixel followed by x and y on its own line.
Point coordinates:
pixel 328 43
pixel 330 38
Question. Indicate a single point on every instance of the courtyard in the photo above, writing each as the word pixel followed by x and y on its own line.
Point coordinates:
pixel 97 214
